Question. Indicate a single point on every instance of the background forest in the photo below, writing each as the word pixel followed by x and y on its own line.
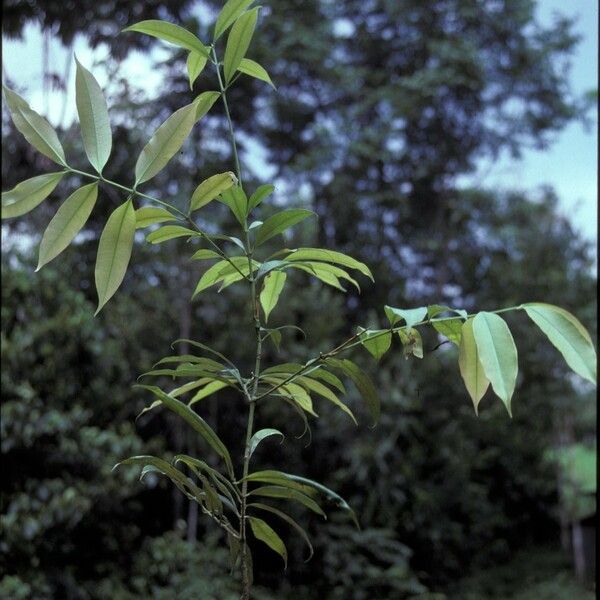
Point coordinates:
pixel 382 107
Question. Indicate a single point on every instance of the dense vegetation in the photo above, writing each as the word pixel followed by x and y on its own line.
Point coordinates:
pixel 427 508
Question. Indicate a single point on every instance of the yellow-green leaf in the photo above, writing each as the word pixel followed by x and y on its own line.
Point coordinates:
pixel 93 117
pixel 67 222
pixel 497 353
pixel 171 33
pixel 114 252
pixel 252 68
pixel 165 143
pixel 263 532
pixel 150 215
pixel 279 222
pixel 169 232
pixel 567 335
pixel 26 195
pixel 204 103
pixel 470 366
pixel 229 13
pixel 238 42
pixel 195 65
pixel 376 341
pixel 210 188
pixel 272 288
pixel 36 130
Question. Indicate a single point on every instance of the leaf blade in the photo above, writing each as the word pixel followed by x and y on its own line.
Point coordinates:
pixel 28 194
pixel 470 366
pixel 238 42
pixel 272 287
pixel 67 222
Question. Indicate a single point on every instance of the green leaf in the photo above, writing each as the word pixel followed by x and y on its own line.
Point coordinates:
pixel 259 195
pixel 114 252
pixel 207 390
pixel 93 117
pixel 229 13
pixel 219 271
pixel 331 256
pixel 263 532
pixel 238 42
pixel 450 328
pixel 204 103
pixel 285 493
pixel 165 143
pixel 279 222
pixel 26 195
pixel 195 421
pixel 67 222
pixel 205 254
pixel 376 341
pixel 412 316
pixel 235 198
pixel 363 383
pixel 168 32
pixel 210 188
pixel 325 392
pixel 289 520
pixel 497 353
pixel 567 335
pixel 169 232
pixel 260 435
pixel 195 65
pixel 272 288
pixel 329 274
pixel 470 366
pixel 36 130
pixel 252 68
pixel 150 215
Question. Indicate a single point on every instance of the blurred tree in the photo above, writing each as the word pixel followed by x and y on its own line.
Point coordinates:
pixel 381 106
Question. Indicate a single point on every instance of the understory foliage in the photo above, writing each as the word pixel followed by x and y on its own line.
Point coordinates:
pixel 238 496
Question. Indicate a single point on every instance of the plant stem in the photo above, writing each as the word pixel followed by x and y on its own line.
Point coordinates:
pixel 182 215
pixel 250 395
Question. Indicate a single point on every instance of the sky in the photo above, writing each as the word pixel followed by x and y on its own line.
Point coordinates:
pixel 569 165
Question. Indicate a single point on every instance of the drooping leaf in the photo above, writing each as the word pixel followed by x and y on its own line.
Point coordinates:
pixel 151 215
pixel 363 383
pixel 165 143
pixel 376 341
pixel 169 232
pixel 221 270
pixel 67 222
pixel 279 222
pixel 235 198
pixel 263 532
pixel 260 435
pixel 412 343
pixel 93 117
pixel 229 13
pixel 567 335
pixel 411 316
pixel 272 288
pixel 323 391
pixel 252 68
pixel 26 195
pixel 195 65
pixel 204 103
pixel 207 390
pixel 286 493
pixel 168 32
pixel 331 256
pixel 36 130
pixel 210 188
pixel 259 195
pixel 238 41
pixel 497 353
pixel 195 421
pixel 329 274
pixel 114 252
pixel 470 366
pixel 289 520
